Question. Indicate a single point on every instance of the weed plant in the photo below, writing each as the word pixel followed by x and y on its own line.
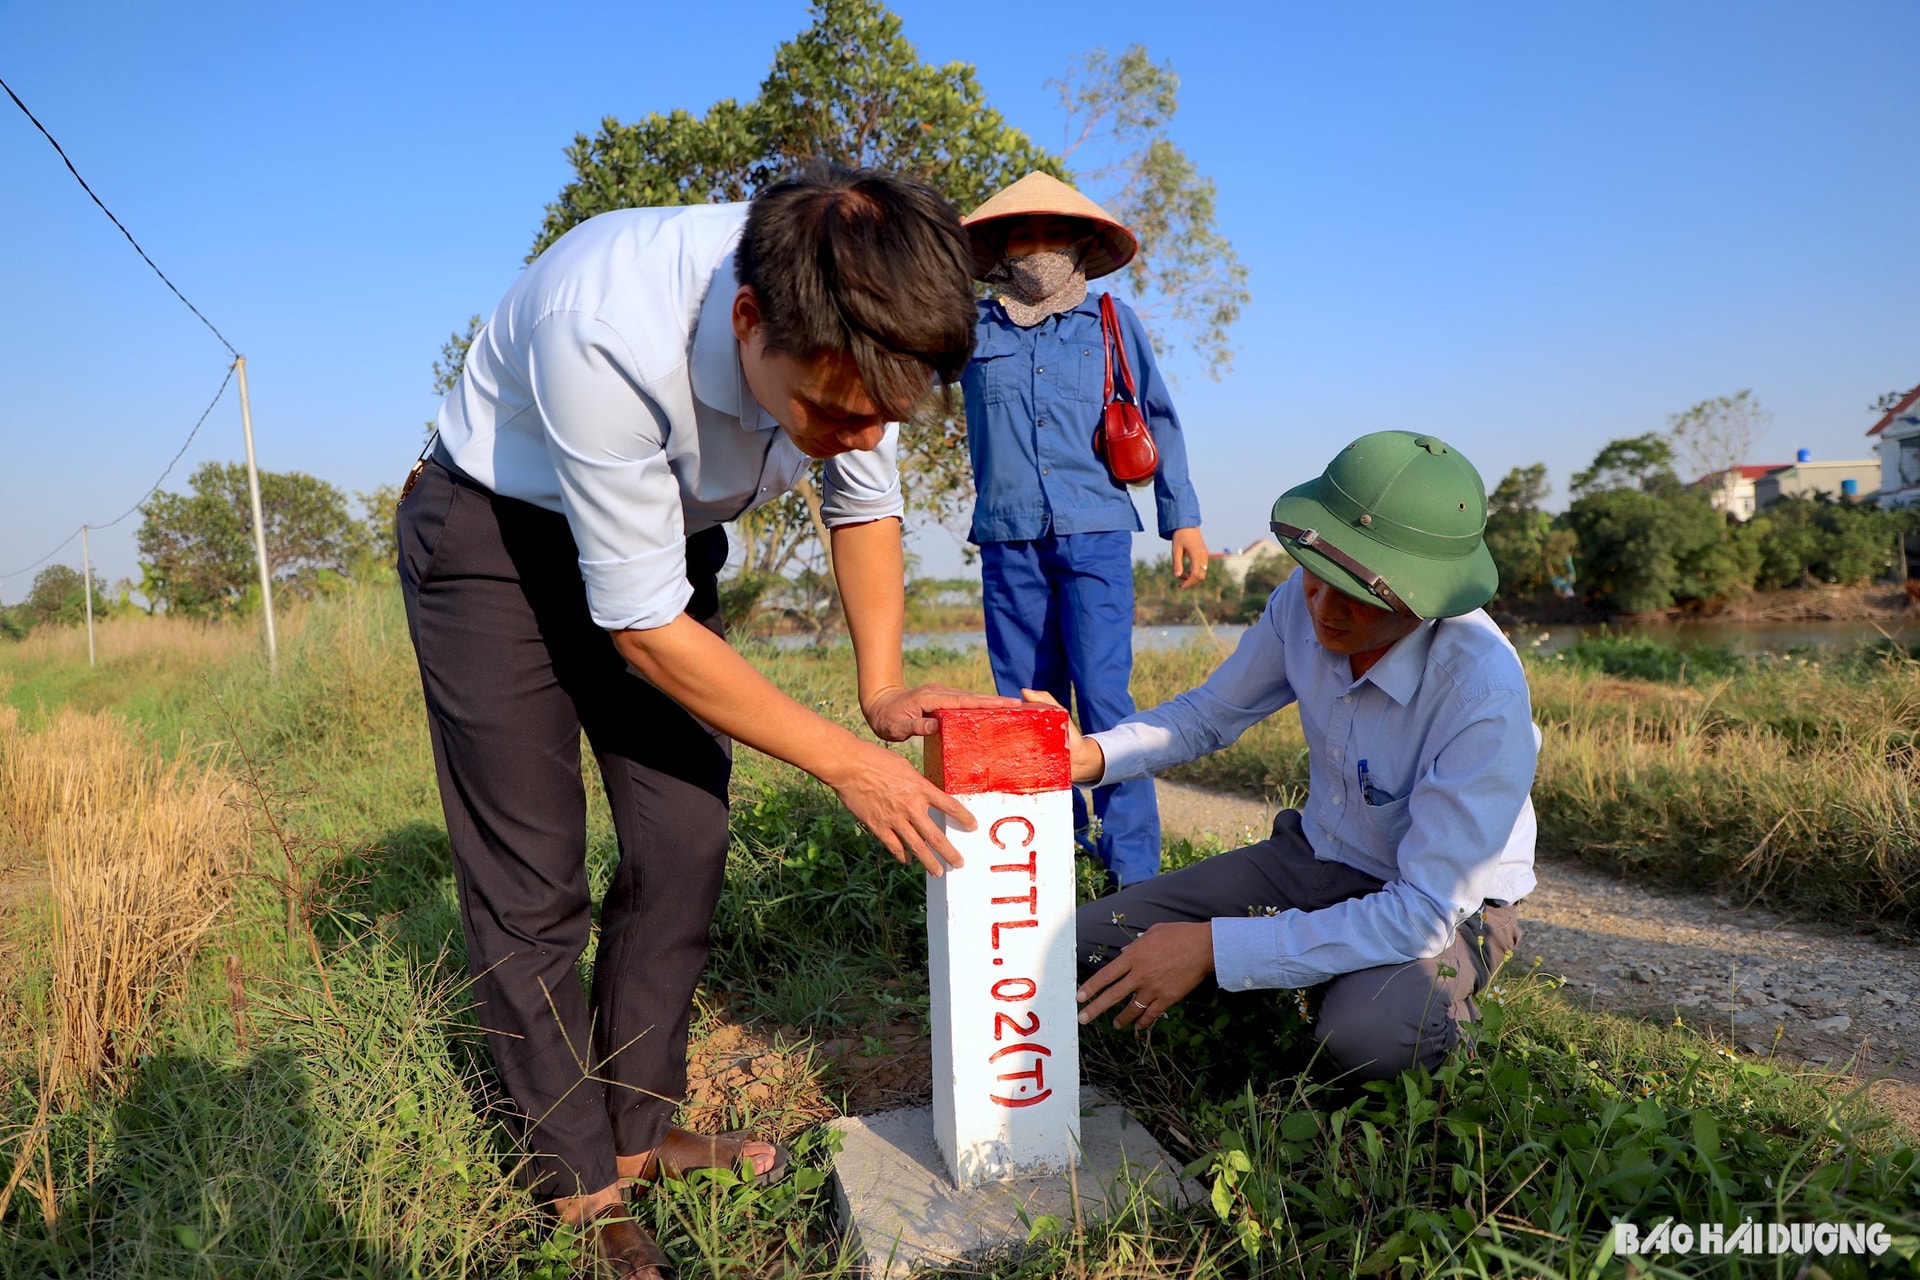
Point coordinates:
pixel 312 1097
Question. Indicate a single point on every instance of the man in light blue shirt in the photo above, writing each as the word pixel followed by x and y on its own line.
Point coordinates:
pixel 1395 883
pixel 654 374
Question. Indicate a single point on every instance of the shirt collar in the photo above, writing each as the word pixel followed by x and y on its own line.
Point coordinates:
pixel 715 356
pixel 1399 673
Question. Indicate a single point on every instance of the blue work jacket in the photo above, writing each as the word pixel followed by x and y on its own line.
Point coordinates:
pixel 1034 401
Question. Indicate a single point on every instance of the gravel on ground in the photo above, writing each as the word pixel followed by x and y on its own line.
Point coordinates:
pixel 1806 996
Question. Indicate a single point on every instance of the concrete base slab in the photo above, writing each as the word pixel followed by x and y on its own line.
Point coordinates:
pixel 901 1211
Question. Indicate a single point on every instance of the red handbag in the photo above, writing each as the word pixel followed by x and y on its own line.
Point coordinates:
pixel 1123 442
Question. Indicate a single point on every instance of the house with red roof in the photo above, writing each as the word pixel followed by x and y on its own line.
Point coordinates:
pixel 1898 433
pixel 1732 490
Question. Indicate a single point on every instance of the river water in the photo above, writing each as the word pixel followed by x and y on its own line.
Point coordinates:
pixel 1740 637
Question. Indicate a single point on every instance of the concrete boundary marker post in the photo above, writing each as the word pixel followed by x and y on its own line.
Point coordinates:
pixel 1000 942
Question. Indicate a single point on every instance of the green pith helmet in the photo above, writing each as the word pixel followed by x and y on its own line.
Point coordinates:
pixel 1397 520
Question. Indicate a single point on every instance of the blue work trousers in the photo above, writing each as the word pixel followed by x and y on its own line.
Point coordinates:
pixel 1060 618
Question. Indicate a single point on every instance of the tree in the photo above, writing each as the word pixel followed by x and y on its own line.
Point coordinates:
pixel 1888 399
pixel 1527 546
pixel 851 88
pixel 1716 436
pixel 1187 278
pixel 197 548
pixel 1647 542
pixel 59 595
pixel 1820 540
pixel 1642 462
pixel 378 536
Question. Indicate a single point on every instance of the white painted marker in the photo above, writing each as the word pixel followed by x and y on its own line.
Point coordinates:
pixel 1000 944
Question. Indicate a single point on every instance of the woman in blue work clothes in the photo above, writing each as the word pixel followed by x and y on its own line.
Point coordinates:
pixel 1055 530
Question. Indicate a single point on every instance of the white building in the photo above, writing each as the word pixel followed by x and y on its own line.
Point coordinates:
pixel 1732 490
pixel 1235 564
pixel 1899 442
pixel 1813 479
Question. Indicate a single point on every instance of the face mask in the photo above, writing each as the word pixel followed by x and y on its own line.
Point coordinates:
pixel 1038 285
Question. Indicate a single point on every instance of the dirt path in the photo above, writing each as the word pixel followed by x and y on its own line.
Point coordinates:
pixel 1812 997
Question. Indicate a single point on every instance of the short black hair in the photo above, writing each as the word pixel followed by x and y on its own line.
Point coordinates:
pixel 868 263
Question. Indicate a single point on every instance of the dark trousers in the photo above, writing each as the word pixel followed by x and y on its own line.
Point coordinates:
pixel 514 669
pixel 1373 1023
pixel 1059 613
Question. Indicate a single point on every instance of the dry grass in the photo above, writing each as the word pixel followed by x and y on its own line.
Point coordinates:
pixel 138 636
pixel 138 856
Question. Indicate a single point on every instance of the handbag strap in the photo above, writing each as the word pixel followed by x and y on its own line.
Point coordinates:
pixel 1110 338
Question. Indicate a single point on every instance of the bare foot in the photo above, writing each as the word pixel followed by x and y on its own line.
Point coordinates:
pixel 577 1210
pixel 684 1150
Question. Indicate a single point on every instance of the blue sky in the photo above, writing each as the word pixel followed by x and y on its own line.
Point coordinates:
pixel 1528 228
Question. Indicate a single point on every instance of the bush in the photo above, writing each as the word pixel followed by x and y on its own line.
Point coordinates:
pixel 1643 551
pixel 1639 658
pixel 1839 542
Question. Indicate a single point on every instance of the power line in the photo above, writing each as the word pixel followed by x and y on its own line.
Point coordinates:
pixel 116 222
pixel 155 487
pixel 43 559
pixel 152 489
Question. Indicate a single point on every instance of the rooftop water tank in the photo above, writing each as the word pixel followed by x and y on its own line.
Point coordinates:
pixel 1849 488
pixel 1804 455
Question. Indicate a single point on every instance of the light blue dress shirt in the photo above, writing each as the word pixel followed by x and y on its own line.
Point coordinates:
pixel 607 385
pixel 1445 727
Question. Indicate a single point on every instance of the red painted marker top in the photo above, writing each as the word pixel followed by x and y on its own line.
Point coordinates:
pixel 1016 750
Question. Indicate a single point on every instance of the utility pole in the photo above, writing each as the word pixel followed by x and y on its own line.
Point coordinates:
pixel 86 560
pixel 259 527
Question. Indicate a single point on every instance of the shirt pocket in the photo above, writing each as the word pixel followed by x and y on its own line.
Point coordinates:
pixel 1003 376
pixel 1389 823
pixel 1089 385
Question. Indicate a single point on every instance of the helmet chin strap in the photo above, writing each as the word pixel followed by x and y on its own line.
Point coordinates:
pixel 1310 540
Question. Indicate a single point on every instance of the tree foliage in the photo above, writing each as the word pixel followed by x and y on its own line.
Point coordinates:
pixel 1817 539
pixel 1188 280
pixel 57 597
pixel 1528 547
pixel 1648 542
pixel 852 88
pixel 1643 462
pixel 1718 435
pixel 197 547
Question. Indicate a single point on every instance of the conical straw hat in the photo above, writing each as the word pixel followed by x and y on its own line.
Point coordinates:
pixel 1041 193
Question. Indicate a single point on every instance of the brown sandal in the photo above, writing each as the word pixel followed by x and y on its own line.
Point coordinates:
pixel 622 1249
pixel 682 1151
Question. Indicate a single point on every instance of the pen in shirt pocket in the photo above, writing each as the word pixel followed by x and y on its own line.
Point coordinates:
pixel 1369 793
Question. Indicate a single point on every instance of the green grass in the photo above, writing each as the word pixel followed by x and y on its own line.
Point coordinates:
pixel 1790 781
pixel 346 1128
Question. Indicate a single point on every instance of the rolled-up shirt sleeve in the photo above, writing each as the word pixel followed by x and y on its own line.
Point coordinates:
pixel 864 484
pixel 1461 814
pixel 1245 689
pixel 607 442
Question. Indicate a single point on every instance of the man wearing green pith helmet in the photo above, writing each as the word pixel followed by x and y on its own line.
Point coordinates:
pixel 1395 884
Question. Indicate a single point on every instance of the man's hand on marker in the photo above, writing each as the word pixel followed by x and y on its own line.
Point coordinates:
pixel 898 713
pixel 1154 973
pixel 891 799
pixel 1085 758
